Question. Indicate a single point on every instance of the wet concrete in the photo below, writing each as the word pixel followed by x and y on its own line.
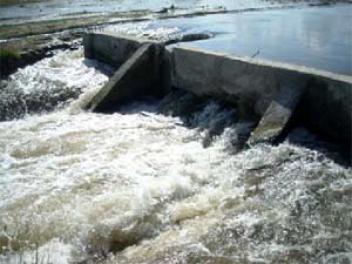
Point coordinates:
pixel 317 37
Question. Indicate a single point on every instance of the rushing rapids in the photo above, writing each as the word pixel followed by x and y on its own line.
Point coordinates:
pixel 157 182
pixel 48 84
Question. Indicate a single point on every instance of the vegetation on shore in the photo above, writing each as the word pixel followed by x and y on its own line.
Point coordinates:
pixel 9 59
pixel 17 2
pixel 56 25
pixel 6 54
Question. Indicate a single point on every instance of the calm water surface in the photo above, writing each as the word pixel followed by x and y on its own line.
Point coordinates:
pixel 316 37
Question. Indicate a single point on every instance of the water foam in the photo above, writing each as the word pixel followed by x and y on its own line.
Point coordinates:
pixel 144 182
pixel 50 83
pixel 161 183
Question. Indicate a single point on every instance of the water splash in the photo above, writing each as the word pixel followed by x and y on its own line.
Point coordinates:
pixel 49 84
pixel 138 179
pixel 160 182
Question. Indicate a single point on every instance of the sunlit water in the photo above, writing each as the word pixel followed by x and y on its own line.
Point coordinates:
pixel 54 9
pixel 316 37
pixel 145 186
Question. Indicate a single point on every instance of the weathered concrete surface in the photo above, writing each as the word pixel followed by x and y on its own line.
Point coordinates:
pixel 327 108
pixel 250 87
pixel 111 48
pixel 278 114
pixel 116 49
pixel 267 92
pixel 140 75
pixel 260 88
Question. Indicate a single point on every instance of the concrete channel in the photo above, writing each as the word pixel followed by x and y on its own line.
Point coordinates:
pixel 273 94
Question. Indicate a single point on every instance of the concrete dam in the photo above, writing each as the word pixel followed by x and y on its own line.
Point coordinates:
pixel 272 94
pixel 186 134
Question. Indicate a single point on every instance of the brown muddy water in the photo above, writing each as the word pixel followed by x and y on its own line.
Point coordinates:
pixel 158 181
pixel 165 181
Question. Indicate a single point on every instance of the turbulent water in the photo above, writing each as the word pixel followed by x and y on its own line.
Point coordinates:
pixel 158 182
pixel 49 84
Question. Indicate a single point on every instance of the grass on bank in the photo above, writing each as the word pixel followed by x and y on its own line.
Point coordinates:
pixel 17 2
pixel 6 54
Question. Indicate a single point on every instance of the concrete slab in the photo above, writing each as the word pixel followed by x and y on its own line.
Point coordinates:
pixel 140 75
pixel 279 113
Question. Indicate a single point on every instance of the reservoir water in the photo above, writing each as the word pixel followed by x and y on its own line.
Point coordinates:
pixel 320 37
pixel 160 182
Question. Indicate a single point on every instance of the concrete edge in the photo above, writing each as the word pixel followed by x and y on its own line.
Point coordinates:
pixel 116 78
pixel 253 85
pixel 273 64
pixel 141 40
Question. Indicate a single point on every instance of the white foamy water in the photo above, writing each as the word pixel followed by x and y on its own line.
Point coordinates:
pixel 49 83
pixel 139 186
pixel 146 30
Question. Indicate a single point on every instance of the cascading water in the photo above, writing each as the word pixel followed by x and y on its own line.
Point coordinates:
pixel 157 182
pixel 49 84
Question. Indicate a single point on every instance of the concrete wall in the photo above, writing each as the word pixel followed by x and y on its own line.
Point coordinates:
pixel 111 48
pixel 143 69
pixel 252 85
pixel 327 108
pixel 324 99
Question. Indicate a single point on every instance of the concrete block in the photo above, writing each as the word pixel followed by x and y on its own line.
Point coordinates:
pixel 138 76
pixel 279 113
pixel 111 48
pixel 250 87
pixel 88 45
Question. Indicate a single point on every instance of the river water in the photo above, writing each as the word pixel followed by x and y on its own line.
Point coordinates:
pixel 22 11
pixel 157 182
pixel 313 37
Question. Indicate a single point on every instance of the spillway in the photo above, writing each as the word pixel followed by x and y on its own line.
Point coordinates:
pixel 159 181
